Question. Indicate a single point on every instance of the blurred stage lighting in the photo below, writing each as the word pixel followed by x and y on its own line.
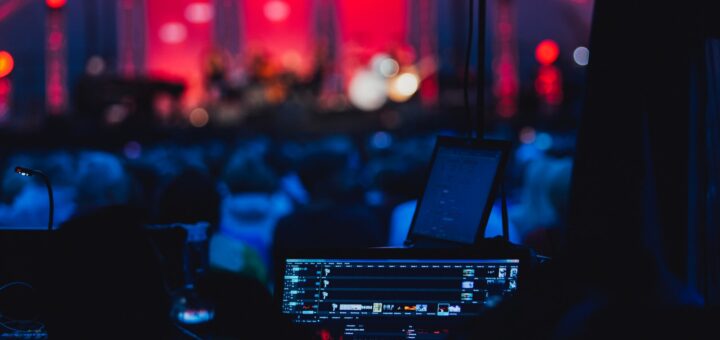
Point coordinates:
pixel 581 55
pixel 173 33
pixel 389 67
pixel 385 65
pixel 199 12
pixel 403 87
pixel 95 66
pixel 276 10
pixel 55 4
pixel 5 88
pixel 6 63
pixel 547 52
pixel 367 91
pixel 199 117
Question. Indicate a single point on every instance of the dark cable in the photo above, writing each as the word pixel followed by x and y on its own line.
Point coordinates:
pixel 39 327
pixel 505 219
pixel 6 321
pixel 186 332
pixel 16 283
pixel 466 96
pixel 27 172
pixel 480 119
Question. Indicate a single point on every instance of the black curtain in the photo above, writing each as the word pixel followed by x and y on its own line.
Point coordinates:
pixel 637 164
pixel 708 165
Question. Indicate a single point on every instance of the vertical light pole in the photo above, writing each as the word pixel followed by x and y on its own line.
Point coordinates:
pixel 429 87
pixel 505 84
pixel 131 37
pixel 56 58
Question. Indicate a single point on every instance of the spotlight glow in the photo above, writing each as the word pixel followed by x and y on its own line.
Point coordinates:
pixel 173 33
pixel 389 67
pixel 581 55
pixel 384 65
pixel 6 63
pixel 547 52
pixel 55 4
pixel 199 12
pixel 403 86
pixel 367 91
pixel 276 10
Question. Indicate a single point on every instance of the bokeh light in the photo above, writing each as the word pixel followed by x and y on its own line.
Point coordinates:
pixel 199 117
pixel 199 12
pixel 381 140
pixel 581 55
pixel 385 65
pixel 367 91
pixel 95 66
pixel 173 33
pixel 547 52
pixel 55 4
pixel 276 10
pixel 403 86
pixel 6 63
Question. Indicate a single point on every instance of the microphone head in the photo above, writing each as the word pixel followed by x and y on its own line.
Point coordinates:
pixel 24 171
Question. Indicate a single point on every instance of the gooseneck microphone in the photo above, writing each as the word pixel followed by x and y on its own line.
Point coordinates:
pixel 27 172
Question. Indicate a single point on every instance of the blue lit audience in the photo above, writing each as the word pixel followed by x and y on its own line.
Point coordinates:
pixel 250 208
pixel 312 189
pixel 102 181
pixel 336 215
pixel 259 197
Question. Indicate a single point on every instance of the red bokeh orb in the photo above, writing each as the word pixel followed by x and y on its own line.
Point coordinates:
pixel 55 4
pixel 547 52
pixel 6 63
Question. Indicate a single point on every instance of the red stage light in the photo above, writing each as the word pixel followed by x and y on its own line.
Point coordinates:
pixel 5 88
pixel 55 4
pixel 547 52
pixel 548 84
pixel 173 32
pixel 276 10
pixel 6 63
pixel 199 12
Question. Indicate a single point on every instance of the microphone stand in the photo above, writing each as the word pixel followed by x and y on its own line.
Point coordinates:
pixel 27 172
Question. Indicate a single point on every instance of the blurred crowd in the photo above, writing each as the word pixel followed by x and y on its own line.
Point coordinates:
pixel 258 193
pixel 252 197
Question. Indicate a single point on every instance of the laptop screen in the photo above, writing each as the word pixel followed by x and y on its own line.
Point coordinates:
pixel 456 196
pixel 377 298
